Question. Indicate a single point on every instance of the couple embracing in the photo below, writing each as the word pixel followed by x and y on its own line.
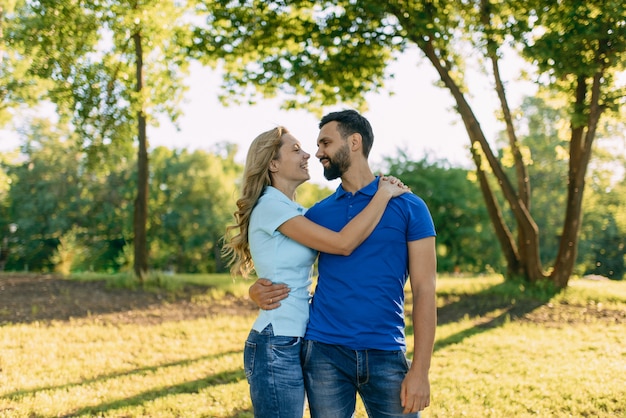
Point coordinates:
pixel 370 237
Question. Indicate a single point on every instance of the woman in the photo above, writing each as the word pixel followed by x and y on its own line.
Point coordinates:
pixel 273 237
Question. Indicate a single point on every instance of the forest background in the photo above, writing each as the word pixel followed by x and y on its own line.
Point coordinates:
pixel 67 219
pixel 79 195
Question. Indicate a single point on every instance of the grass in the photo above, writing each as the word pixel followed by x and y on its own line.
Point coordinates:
pixel 502 350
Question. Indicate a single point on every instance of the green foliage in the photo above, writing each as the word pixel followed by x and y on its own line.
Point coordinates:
pixel 603 249
pixel 337 52
pixel 86 51
pixel 579 39
pixel 318 54
pixel 193 197
pixel 310 193
pixel 19 87
pixel 46 197
pixel 70 217
pixel 460 217
pixel 67 253
pixel 54 196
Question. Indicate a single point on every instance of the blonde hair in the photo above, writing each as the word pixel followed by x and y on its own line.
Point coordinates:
pixel 256 177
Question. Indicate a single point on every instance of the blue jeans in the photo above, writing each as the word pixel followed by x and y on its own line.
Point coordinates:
pixel 274 372
pixel 333 375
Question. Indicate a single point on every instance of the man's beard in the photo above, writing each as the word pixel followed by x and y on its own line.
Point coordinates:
pixel 338 164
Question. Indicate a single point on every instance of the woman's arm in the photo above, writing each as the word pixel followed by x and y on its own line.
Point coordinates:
pixel 314 236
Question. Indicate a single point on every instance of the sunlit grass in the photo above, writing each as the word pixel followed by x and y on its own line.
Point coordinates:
pixel 485 364
pixel 528 370
pixel 87 370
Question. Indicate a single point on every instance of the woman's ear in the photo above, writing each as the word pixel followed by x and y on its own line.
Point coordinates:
pixel 273 166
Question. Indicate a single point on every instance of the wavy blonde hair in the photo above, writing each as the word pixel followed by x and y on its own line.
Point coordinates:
pixel 256 176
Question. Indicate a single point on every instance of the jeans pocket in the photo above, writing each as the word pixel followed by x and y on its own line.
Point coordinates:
pixel 286 347
pixel 285 342
pixel 249 352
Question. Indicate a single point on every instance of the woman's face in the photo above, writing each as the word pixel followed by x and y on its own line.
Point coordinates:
pixel 293 163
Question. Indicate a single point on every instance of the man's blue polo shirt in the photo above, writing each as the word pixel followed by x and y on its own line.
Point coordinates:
pixel 359 299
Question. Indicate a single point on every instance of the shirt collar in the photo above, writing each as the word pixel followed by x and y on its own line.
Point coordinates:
pixel 369 190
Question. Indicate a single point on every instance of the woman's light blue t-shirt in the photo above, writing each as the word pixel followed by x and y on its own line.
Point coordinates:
pixel 282 260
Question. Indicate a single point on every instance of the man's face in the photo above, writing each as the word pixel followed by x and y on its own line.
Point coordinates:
pixel 332 151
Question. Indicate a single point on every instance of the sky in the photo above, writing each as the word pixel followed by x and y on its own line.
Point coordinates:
pixel 410 114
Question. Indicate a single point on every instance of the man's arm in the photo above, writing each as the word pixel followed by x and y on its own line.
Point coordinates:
pixel 267 295
pixel 415 395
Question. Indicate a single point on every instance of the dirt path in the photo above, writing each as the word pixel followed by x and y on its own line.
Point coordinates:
pixel 29 298
pixel 26 298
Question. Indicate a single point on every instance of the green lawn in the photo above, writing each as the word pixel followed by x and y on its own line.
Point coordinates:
pixel 501 351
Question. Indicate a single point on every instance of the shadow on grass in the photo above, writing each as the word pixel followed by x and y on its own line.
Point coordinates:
pixel 194 386
pixel 220 378
pixel 488 309
pixel 28 298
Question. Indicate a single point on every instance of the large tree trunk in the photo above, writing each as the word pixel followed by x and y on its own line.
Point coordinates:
pixel 522 254
pixel 520 243
pixel 141 201
pixel 516 261
pixel 580 153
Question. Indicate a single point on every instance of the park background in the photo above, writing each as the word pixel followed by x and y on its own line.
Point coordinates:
pixel 416 130
pixel 113 163
pixel 88 330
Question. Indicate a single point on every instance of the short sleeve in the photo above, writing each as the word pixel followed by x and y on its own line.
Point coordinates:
pixel 274 209
pixel 421 223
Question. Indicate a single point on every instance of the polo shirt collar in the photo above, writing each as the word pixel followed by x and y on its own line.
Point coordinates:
pixel 369 190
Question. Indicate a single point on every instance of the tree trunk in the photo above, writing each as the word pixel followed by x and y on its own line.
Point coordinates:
pixel 141 201
pixel 522 252
pixel 480 148
pixel 580 153
pixel 524 260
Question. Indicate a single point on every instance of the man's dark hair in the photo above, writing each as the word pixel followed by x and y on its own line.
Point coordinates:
pixel 350 122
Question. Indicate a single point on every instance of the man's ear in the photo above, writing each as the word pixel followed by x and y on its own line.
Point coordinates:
pixel 356 141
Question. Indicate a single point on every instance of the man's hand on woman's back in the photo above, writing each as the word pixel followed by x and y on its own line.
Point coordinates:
pixel 267 295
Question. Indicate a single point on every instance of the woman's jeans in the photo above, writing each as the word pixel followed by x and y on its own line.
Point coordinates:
pixel 333 375
pixel 274 372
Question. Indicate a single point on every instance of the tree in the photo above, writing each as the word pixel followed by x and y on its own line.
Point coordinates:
pixel 329 52
pixel 603 248
pixel 7 227
pixel 193 194
pixel 543 145
pixel 18 88
pixel 46 196
pixel 114 67
pixel 75 218
pixel 542 131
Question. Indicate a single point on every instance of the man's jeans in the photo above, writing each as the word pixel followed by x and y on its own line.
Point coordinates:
pixel 274 372
pixel 333 375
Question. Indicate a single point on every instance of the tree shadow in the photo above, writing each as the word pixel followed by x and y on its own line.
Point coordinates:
pixel 487 309
pixel 25 299
pixel 214 379
pixel 187 387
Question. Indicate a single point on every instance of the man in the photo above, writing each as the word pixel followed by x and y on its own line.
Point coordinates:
pixel 355 341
